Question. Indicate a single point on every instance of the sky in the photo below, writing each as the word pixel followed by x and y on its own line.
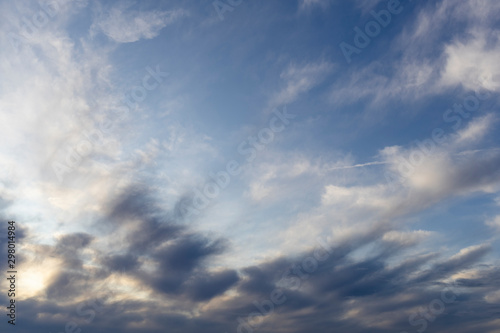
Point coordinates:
pixel 251 166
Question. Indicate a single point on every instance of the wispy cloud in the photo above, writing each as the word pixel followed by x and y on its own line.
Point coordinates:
pixel 125 25
pixel 298 79
pixel 430 63
pixel 310 4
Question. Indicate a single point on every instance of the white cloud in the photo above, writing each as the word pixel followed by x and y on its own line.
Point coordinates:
pixel 427 176
pixel 300 79
pixel 367 5
pixel 357 197
pixel 280 176
pixel 408 81
pixel 494 223
pixel 124 25
pixel 406 238
pixel 493 297
pixel 364 5
pixel 309 4
pixel 57 92
pixel 469 59
pixel 343 211
pixel 268 179
pixel 475 130
pixel 431 64
pixel 473 63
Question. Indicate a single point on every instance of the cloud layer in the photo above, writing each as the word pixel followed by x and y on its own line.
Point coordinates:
pixel 374 209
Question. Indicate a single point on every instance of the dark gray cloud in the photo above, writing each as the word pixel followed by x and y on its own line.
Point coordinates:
pixel 72 278
pixel 447 267
pixel 70 244
pixel 207 286
pixel 121 263
pixel 157 235
pixel 179 261
pixel 342 291
pixel 377 292
pixel 187 252
pixel 152 224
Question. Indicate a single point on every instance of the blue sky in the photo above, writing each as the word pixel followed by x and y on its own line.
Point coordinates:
pixel 188 165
